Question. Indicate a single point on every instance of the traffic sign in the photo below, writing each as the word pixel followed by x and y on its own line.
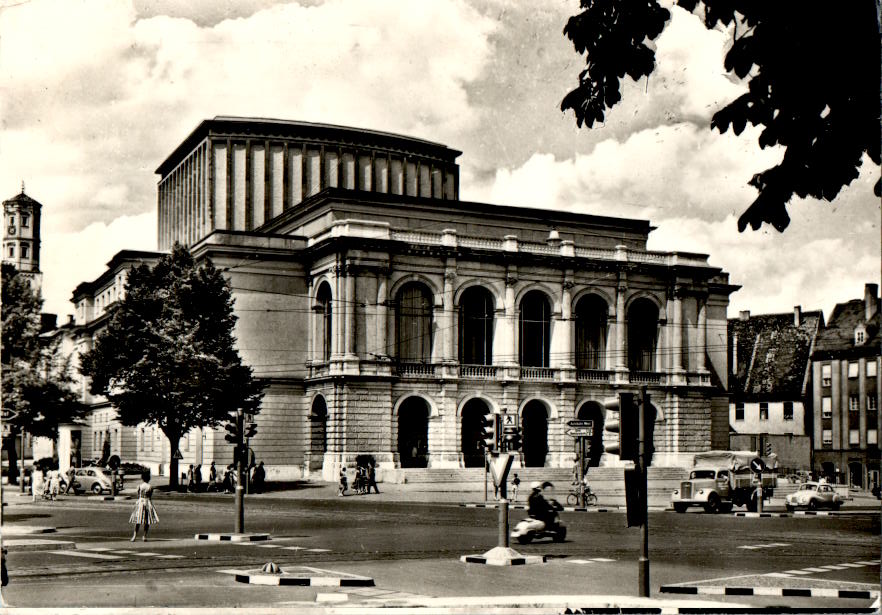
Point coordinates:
pixel 509 420
pixel 7 415
pixel 757 465
pixel 510 429
pixel 581 423
pixel 580 433
pixel 177 454
pixel 499 466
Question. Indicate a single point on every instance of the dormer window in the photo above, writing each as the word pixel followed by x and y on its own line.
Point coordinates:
pixel 860 334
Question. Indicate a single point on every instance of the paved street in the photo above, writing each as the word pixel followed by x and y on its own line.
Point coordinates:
pixel 412 550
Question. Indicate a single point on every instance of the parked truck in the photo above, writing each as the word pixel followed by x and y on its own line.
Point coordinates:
pixel 720 480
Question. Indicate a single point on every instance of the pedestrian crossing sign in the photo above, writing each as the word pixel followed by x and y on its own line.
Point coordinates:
pixel 177 454
pixel 509 420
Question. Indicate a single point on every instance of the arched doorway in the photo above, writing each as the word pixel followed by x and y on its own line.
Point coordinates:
pixel 413 433
pixel 318 433
pixel 592 411
pixel 471 433
pixel 535 434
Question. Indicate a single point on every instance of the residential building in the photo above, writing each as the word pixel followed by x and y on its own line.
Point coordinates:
pixel 387 316
pixel 769 383
pixel 846 392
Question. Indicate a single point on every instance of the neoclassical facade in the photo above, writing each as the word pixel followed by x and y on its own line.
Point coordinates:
pixel 387 316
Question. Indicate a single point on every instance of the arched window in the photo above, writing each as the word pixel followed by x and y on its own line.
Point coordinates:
pixel 642 335
pixel 476 327
pixel 472 434
pixel 591 329
pixel 535 434
pixel 535 329
pixel 413 433
pixel 592 447
pixel 413 317
pixel 324 326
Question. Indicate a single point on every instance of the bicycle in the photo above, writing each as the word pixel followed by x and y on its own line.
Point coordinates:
pixel 574 499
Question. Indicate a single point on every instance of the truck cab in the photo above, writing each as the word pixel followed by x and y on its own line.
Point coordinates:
pixel 708 487
pixel 720 480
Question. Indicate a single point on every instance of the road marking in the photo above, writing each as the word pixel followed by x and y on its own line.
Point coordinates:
pixel 82 554
pixel 816 569
pixel 797 572
pixel 145 554
pixel 847 565
pixel 766 545
pixel 833 567
pixel 868 563
pixel 169 556
pixel 319 550
pixel 590 560
pixel 98 549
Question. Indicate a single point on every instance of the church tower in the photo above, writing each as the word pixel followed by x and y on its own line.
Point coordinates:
pixel 21 235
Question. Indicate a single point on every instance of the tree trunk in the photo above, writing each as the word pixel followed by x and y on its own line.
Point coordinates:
pixel 173 477
pixel 12 456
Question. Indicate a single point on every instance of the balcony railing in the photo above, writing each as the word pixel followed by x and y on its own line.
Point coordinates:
pixel 415 370
pixel 593 375
pixel 537 373
pixel 646 377
pixel 317 370
pixel 478 372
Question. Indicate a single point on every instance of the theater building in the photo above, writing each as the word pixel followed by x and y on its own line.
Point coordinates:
pixel 387 316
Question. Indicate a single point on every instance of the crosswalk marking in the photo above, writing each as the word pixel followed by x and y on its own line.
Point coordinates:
pixel 590 560
pixel 797 572
pixel 847 565
pixel 98 549
pixel 833 567
pixel 74 553
pixel 169 556
pixel 765 546
pixel 816 569
pixel 869 563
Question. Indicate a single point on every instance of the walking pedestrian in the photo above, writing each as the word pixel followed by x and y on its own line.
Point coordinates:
pixel 71 474
pixel 36 483
pixel 191 479
pixel 53 485
pixel 344 482
pixel 144 513
pixel 197 477
pixel 257 478
pixel 515 485
pixel 212 475
pixel 372 479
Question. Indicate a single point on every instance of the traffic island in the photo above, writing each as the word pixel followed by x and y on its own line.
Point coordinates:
pixel 760 514
pixel 502 556
pixel 299 576
pixel 234 537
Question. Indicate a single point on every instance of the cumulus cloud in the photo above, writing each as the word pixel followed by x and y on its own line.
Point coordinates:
pixel 70 258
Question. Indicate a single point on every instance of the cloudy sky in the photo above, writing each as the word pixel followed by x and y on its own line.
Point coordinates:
pixel 95 94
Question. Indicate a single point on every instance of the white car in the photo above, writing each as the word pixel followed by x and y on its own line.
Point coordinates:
pixel 813 495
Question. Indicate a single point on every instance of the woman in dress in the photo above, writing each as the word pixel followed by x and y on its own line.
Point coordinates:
pixel 144 512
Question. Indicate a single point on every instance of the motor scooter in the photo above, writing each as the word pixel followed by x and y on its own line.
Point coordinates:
pixel 530 529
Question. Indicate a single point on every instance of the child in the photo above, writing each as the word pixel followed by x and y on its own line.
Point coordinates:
pixel 515 484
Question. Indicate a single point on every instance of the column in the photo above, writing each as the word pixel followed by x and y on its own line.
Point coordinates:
pixel 350 313
pixel 338 312
pixel 312 342
pixel 566 324
pixel 621 350
pixel 678 331
pixel 382 311
pixel 513 357
pixel 702 334
pixel 449 323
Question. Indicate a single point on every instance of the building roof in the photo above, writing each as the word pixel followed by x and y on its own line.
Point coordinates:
pixel 253 127
pixel 120 259
pixel 837 340
pixel 773 355
pixel 23 199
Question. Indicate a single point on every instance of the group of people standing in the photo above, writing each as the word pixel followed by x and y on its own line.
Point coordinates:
pixel 365 479
pixel 227 481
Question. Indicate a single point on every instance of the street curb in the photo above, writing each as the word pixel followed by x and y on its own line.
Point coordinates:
pixel 757 514
pixel 110 498
pixel 565 508
pixel 233 537
pixel 24 530
pixel 515 561
pixel 262 578
pixel 38 544
pixel 769 591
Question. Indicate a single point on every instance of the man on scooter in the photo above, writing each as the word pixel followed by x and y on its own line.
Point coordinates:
pixel 538 507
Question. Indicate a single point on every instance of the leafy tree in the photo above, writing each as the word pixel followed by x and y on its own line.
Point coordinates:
pixel 38 382
pixel 167 356
pixel 813 77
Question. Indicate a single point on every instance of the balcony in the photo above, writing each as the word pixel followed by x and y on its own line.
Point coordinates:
pixel 646 377
pixel 478 372
pixel 318 370
pixel 537 373
pixel 594 375
pixel 415 370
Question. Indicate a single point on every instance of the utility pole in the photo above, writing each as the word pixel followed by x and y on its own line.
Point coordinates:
pixel 21 477
pixel 240 459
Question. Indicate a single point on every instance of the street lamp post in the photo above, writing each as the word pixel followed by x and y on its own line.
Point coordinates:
pixel 240 490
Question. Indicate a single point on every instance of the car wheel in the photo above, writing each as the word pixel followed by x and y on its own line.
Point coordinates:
pixel 812 505
pixel 789 508
pixel 96 489
pixel 680 508
pixel 713 503
pixel 726 508
pixel 836 505
pixel 525 539
pixel 560 535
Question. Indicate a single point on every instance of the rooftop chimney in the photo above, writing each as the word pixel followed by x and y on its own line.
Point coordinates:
pixel 797 315
pixel 870 300
pixel 744 314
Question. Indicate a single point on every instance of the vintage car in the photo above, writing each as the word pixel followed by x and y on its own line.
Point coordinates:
pixel 95 480
pixel 814 495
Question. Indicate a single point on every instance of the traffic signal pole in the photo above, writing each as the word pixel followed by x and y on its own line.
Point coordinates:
pixel 240 490
pixel 643 465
